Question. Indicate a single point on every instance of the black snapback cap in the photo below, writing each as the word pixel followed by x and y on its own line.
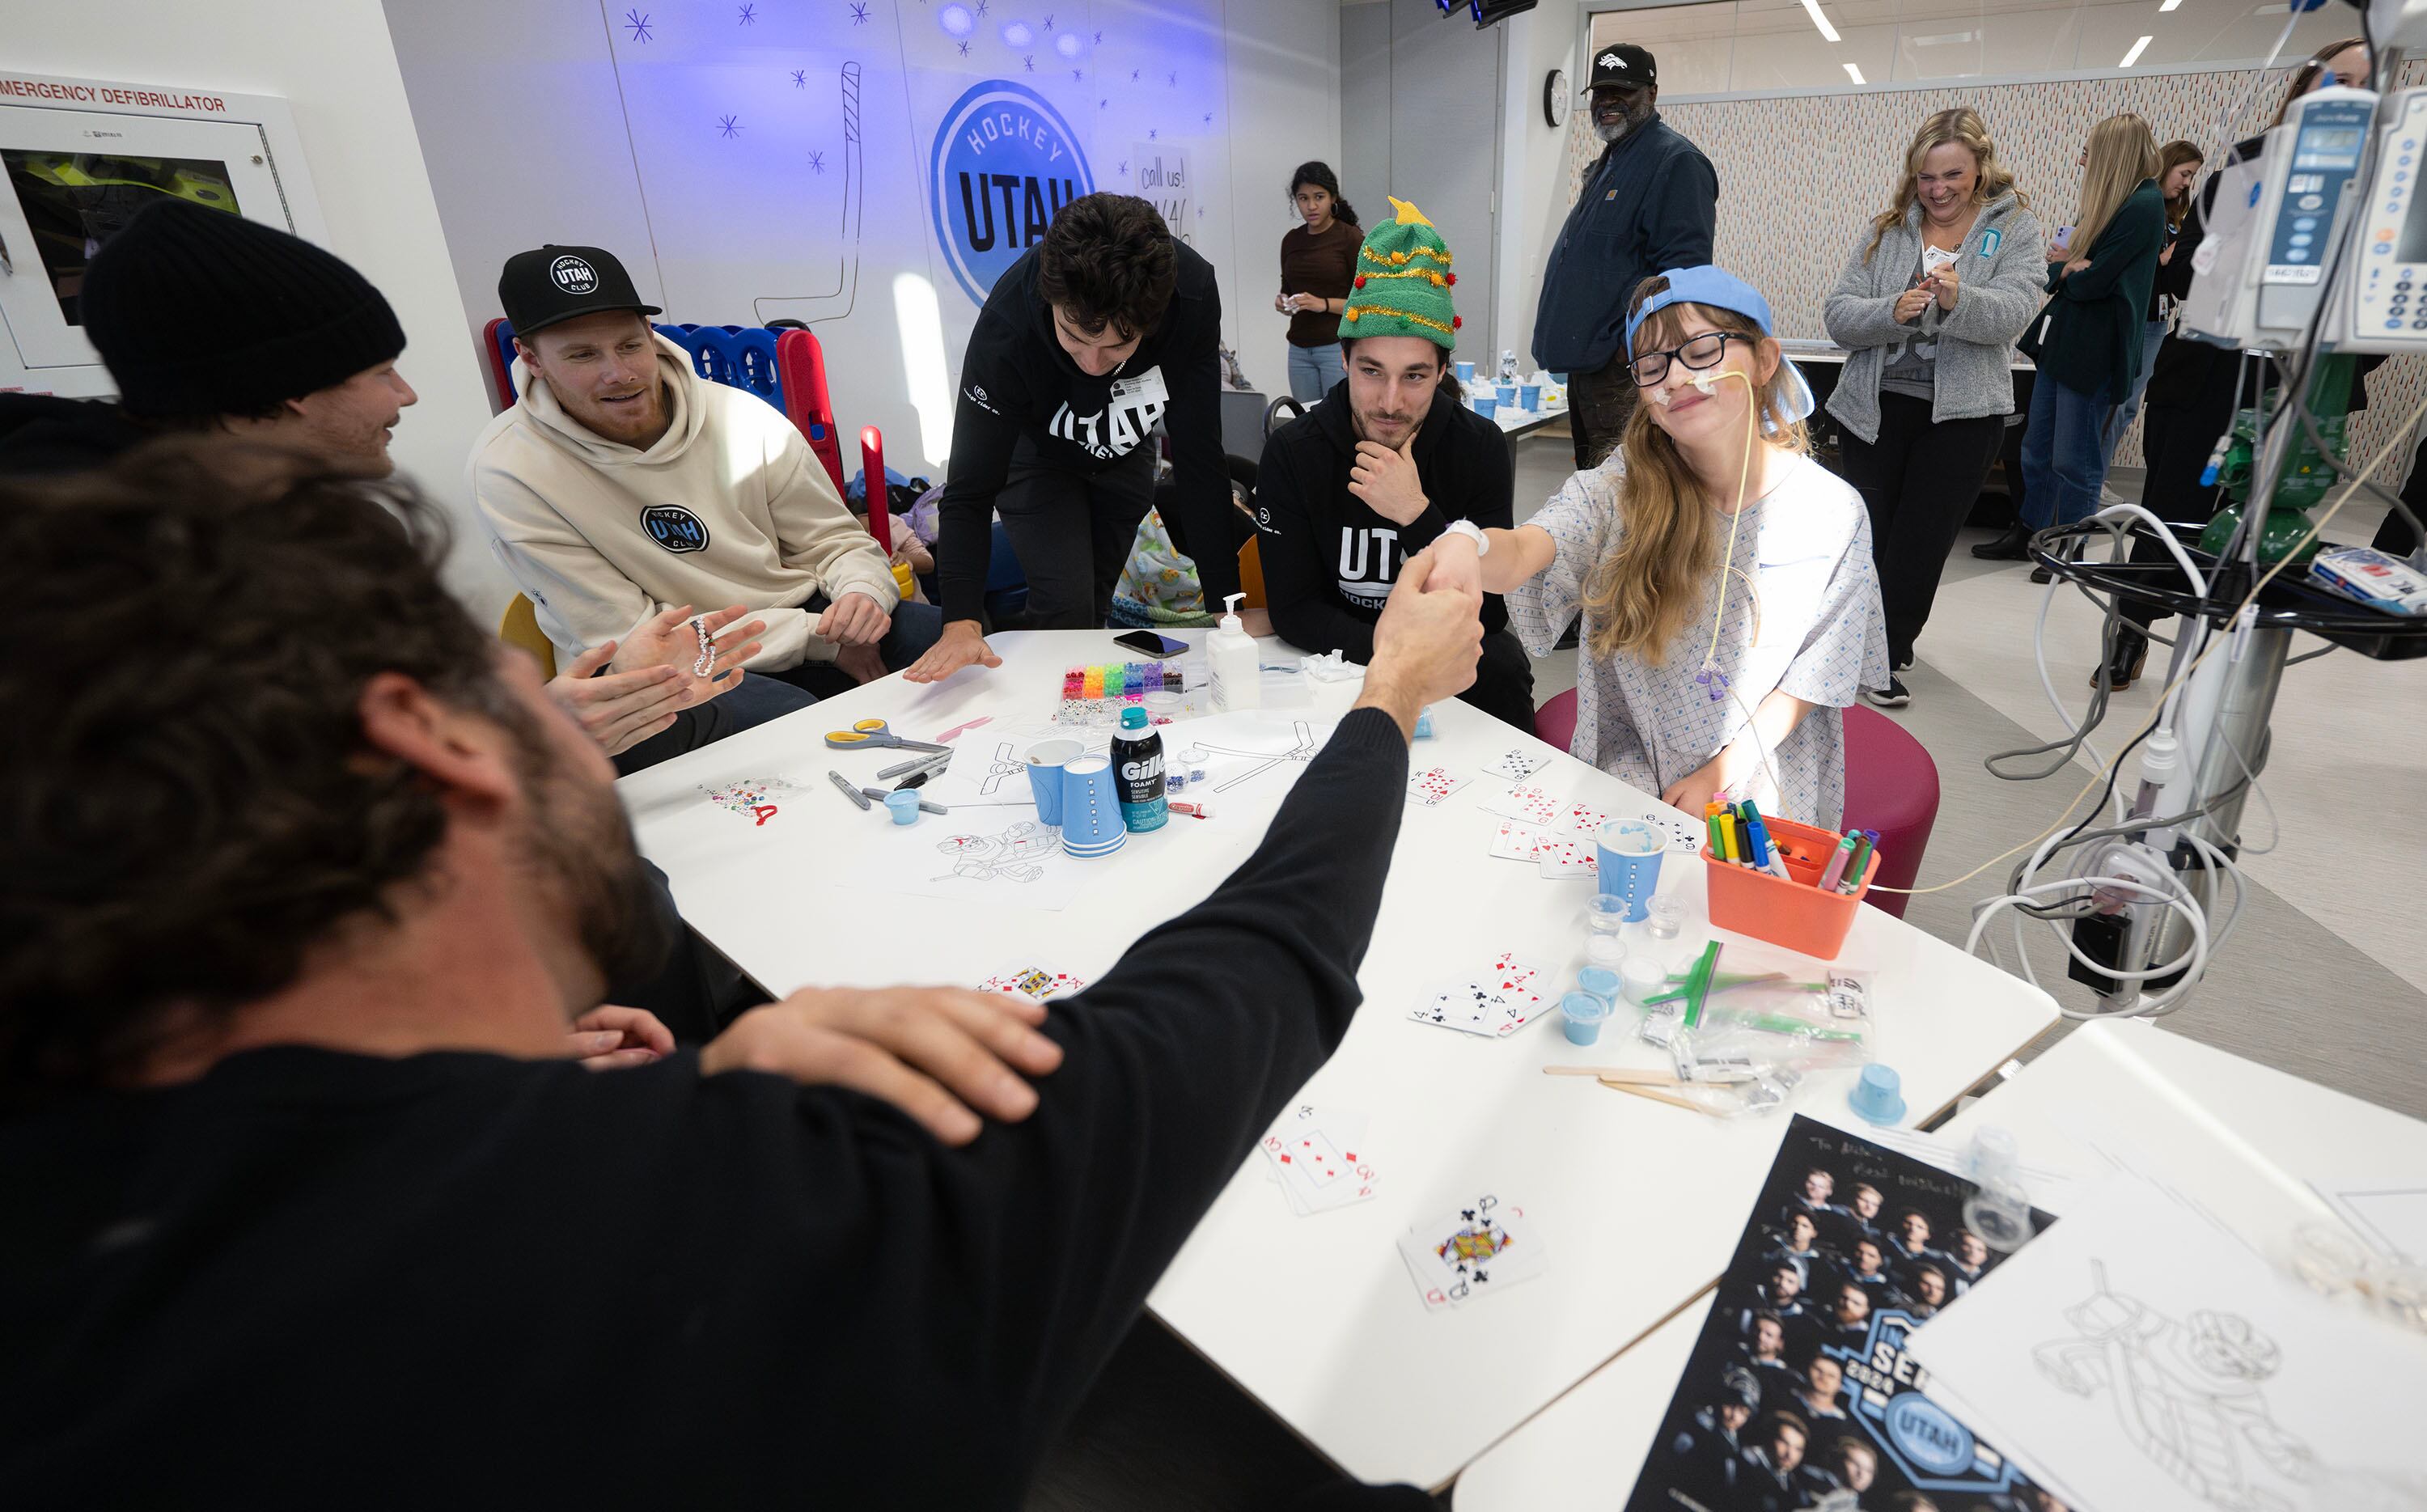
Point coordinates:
pixel 1625 63
pixel 550 284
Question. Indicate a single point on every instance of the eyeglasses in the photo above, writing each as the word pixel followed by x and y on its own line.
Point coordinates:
pixel 1699 352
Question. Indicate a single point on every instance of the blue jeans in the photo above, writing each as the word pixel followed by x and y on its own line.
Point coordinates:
pixel 2153 336
pixel 2064 455
pixel 1313 371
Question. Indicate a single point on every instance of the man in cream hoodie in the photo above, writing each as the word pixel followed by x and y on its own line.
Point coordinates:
pixel 622 485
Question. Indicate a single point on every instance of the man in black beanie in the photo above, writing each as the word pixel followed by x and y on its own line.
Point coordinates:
pixel 210 322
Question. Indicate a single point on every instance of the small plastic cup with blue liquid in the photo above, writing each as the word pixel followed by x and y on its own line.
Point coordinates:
pixel 1583 1013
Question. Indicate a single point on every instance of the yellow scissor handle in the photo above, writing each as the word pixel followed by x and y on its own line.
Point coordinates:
pixel 869 726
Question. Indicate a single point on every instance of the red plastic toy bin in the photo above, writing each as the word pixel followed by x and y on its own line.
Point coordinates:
pixel 1796 914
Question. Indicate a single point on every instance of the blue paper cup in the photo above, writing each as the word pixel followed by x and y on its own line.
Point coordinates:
pixel 1584 1014
pixel 1465 371
pixel 1487 408
pixel 1629 851
pixel 1508 394
pixel 1530 396
pixel 1091 808
pixel 1046 760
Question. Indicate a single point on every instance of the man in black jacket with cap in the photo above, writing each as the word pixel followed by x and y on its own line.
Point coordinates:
pixel 1650 202
pixel 210 322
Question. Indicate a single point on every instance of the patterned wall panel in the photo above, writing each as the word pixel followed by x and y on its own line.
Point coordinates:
pixel 1799 177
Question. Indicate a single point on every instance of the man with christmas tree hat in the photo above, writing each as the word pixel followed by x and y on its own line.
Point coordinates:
pixel 1388 461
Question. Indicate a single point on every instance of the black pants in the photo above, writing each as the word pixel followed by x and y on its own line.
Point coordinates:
pixel 2395 535
pixel 1598 405
pixel 1072 532
pixel 1504 681
pixel 697 992
pixel 1918 480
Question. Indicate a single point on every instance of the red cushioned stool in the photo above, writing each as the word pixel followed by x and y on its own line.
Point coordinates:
pixel 1554 722
pixel 1891 787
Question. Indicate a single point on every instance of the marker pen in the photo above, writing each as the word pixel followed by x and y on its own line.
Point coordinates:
pixel 1834 872
pixel 1853 880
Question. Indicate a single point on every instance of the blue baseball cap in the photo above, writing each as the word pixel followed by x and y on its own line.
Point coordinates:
pixel 1715 287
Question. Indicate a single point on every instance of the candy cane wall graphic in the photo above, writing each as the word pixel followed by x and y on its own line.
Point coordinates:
pixel 808 308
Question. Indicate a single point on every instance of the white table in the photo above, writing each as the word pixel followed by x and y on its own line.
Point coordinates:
pixel 1514 422
pixel 2239 1138
pixel 1316 1318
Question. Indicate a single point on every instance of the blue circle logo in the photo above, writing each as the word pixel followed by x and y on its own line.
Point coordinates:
pixel 1923 1432
pixel 1004 162
pixel 674 527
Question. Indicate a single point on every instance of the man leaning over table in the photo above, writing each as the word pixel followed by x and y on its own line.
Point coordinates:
pixel 303 1150
pixel 621 484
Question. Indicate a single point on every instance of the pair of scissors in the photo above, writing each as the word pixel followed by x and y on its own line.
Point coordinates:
pixel 869 733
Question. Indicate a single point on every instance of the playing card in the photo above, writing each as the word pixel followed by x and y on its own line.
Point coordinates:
pixel 1566 856
pixel 1483 1246
pixel 1527 805
pixel 1684 832
pixel 1517 765
pixel 1033 982
pixel 1515 841
pixel 1582 818
pixel 1469 1006
pixel 1430 786
pixel 1318 1157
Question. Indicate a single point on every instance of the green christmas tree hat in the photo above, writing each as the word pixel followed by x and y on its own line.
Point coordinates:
pixel 1402 282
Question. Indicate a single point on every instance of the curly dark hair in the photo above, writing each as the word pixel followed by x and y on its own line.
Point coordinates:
pixel 1109 260
pixel 193 806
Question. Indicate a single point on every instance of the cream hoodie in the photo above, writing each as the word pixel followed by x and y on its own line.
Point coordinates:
pixel 729 507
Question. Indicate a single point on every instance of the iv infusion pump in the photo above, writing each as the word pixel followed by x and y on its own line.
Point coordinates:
pixel 2261 268
pixel 2259 272
pixel 2381 298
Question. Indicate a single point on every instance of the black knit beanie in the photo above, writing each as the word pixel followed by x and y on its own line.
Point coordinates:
pixel 202 312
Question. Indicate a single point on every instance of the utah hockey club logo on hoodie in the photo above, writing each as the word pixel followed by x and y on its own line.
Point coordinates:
pixel 674 527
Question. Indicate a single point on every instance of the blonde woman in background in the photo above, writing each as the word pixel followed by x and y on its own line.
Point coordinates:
pixel 1937 288
pixel 2087 342
pixel 2179 166
pixel 1731 611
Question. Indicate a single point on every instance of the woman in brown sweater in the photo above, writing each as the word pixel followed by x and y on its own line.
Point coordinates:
pixel 1317 261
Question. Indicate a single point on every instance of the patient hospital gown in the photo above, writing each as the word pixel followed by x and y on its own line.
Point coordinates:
pixel 1813 627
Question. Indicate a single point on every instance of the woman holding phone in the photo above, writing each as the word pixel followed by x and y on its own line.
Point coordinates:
pixel 1317 261
pixel 1928 306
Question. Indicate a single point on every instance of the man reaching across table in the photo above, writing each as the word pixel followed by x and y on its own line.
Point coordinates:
pixel 313 1207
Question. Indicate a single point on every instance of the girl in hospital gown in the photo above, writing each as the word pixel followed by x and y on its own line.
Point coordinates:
pixel 1810 628
pixel 1755 710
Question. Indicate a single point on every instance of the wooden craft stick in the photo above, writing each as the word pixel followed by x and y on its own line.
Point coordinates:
pixel 1658 1095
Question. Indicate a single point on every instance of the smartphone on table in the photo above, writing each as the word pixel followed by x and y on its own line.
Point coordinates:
pixel 1149 644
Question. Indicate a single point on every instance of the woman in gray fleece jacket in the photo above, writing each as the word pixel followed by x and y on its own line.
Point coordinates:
pixel 1938 288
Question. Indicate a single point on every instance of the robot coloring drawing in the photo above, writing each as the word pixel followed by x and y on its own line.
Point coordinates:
pixel 2189 1394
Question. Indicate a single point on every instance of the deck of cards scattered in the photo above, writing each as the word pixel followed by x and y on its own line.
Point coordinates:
pixel 1032 983
pixel 1319 1157
pixel 1483 1247
pixel 1526 805
pixel 1498 1003
pixel 1518 765
pixel 1430 788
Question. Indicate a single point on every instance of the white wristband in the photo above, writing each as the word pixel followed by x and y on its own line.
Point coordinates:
pixel 1469 530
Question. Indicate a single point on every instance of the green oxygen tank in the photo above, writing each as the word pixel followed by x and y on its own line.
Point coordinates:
pixel 2308 474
